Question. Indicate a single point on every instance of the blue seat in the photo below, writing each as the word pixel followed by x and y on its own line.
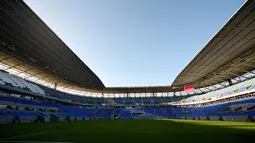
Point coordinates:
pixel 65 114
pixel 19 113
pixel 149 110
pixel 3 114
pixel 27 101
pixel 82 112
pixel 37 114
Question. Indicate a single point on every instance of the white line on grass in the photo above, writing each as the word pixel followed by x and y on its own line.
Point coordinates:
pixel 27 135
pixel 30 142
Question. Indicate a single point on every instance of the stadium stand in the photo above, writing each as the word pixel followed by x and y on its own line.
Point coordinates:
pixel 12 80
pixel 191 108
pixel 240 88
pixel 58 86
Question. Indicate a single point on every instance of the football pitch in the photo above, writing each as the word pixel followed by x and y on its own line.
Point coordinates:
pixel 129 131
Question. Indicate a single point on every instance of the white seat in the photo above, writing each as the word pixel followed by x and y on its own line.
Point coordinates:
pixel 19 82
pixel 213 95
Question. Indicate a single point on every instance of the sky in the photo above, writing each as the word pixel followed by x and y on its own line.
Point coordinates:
pixel 135 42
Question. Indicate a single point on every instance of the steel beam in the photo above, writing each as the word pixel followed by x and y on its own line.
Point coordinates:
pixel 13 66
pixel 6 58
pixel 38 73
pixel 25 70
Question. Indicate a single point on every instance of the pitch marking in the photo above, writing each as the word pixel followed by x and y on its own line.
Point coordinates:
pixel 27 135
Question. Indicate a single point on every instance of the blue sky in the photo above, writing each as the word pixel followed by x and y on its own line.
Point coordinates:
pixel 135 42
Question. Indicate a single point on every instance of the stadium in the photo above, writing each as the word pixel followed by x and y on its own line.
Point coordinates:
pixel 48 94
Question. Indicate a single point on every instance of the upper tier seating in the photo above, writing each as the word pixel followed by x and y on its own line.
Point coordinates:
pixel 237 89
pixel 15 81
pixel 71 98
pixel 27 101
pixel 144 100
pixel 222 109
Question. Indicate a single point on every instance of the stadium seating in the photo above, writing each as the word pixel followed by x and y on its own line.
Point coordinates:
pixel 220 110
pixel 18 113
pixel 108 112
pixel 12 80
pixel 81 112
pixel 125 114
pixel 3 114
pixel 240 88
pixel 160 112
pixel 15 81
pixel 236 110
pixel 99 113
pixel 23 101
pixel 22 116
pixel 239 109
pixel 37 114
pixel 170 113
pixel 149 110
pixel 5 118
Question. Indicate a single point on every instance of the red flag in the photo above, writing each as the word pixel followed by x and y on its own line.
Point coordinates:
pixel 189 88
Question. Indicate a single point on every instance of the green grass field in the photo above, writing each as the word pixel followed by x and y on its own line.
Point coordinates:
pixel 130 131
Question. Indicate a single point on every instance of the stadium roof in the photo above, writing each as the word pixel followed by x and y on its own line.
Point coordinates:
pixel 27 43
pixel 230 53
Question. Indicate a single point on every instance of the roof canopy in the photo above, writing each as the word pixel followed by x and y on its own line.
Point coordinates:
pixel 31 42
pixel 230 53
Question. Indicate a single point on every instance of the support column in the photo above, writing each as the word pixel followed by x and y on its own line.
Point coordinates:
pixel 55 86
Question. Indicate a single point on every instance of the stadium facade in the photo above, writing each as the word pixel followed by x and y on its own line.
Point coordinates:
pixel 41 78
